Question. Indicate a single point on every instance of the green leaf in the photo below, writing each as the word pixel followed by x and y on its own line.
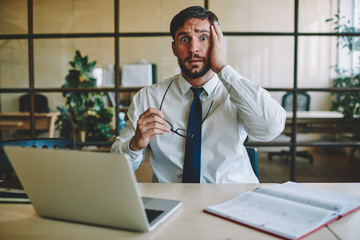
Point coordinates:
pixel 77 54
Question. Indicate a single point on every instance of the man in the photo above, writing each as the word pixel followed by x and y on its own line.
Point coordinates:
pixel 163 118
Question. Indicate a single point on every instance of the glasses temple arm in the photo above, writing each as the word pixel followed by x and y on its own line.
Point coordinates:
pixel 207 112
pixel 162 101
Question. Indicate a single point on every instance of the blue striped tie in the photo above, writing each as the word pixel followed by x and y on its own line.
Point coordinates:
pixel 192 161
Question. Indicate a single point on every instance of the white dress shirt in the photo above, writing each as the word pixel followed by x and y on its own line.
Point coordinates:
pixel 240 108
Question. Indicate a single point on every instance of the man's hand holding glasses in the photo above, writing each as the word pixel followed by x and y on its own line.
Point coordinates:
pixel 149 124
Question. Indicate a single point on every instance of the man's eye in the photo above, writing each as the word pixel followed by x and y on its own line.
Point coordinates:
pixel 184 40
pixel 203 38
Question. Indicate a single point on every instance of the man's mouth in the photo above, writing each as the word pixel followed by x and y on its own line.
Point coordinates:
pixel 195 59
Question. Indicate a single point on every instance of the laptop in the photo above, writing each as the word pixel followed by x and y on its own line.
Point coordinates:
pixel 87 187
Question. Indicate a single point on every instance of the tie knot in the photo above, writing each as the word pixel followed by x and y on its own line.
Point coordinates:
pixel 197 91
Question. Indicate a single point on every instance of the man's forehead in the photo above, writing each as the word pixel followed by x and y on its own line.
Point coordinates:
pixel 196 25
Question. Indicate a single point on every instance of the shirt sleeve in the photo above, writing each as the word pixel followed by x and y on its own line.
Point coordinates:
pixel 121 144
pixel 262 116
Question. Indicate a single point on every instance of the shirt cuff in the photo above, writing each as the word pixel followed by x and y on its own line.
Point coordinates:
pixel 230 78
pixel 132 154
pixel 228 73
pixel 225 71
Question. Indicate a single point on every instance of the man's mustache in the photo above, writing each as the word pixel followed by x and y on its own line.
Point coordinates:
pixel 195 56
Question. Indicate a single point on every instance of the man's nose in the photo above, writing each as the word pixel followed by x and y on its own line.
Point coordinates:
pixel 194 46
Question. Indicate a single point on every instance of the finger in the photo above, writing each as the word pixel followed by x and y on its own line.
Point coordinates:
pixel 156 122
pixel 144 133
pixel 214 34
pixel 149 130
pixel 218 29
pixel 149 120
pixel 153 111
pixel 158 126
pixel 151 115
pixel 219 34
pixel 156 118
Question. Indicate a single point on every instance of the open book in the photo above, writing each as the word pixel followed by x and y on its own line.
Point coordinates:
pixel 289 210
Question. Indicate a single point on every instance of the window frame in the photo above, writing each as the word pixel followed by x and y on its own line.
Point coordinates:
pixel 116 35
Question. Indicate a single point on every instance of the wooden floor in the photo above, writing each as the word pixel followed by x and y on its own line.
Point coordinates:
pixel 330 165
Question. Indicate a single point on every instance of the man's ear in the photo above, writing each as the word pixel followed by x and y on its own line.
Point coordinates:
pixel 173 48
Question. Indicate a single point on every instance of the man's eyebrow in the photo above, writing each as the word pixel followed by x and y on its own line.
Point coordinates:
pixel 202 30
pixel 196 30
pixel 182 33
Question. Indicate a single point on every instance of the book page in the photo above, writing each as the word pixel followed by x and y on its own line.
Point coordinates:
pixel 278 216
pixel 335 201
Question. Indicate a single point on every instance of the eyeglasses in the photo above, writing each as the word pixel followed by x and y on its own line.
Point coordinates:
pixel 180 131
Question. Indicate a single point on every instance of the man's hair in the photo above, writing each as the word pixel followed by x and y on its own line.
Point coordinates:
pixel 191 12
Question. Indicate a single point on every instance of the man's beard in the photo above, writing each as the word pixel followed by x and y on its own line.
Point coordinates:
pixel 200 71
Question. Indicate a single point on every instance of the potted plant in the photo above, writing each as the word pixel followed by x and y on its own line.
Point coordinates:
pixel 347 103
pixel 84 116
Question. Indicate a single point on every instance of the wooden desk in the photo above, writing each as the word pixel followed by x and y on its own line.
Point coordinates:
pixel 315 115
pixel 19 221
pixel 21 121
pixel 321 122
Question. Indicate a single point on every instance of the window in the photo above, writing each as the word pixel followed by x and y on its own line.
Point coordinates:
pixel 284 45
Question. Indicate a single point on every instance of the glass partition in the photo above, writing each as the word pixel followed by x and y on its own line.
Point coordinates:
pixel 154 50
pixel 265 60
pixel 14 64
pixel 52 57
pixel 73 16
pixel 313 15
pixel 254 16
pixel 150 16
pixel 317 58
pixel 13 17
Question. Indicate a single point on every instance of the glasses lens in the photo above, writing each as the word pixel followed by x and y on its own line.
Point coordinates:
pixel 183 133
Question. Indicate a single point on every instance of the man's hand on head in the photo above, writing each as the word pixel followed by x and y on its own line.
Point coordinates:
pixel 218 54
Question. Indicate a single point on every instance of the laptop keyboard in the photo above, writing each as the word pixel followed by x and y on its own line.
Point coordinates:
pixel 152 214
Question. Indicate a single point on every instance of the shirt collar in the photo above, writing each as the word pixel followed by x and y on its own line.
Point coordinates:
pixel 209 86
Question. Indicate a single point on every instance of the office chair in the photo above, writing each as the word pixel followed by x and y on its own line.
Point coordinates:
pixel 253 152
pixel 7 171
pixel 303 104
pixel 41 106
pixel 41 103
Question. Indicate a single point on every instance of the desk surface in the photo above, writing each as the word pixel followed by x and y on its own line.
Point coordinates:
pixel 321 122
pixel 19 221
pixel 315 114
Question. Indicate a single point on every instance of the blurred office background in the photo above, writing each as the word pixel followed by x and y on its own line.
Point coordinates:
pixel 285 46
